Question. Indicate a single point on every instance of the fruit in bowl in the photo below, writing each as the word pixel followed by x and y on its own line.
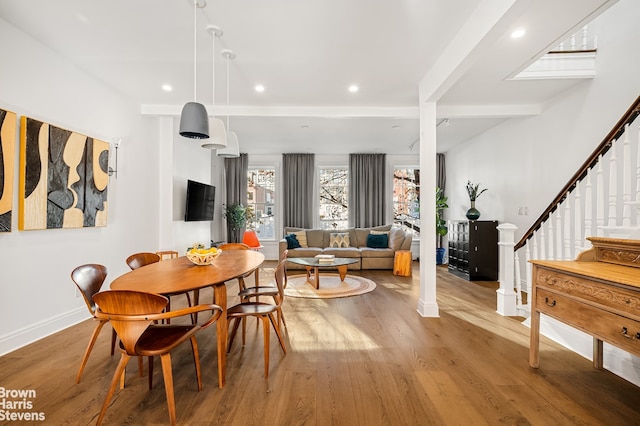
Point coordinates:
pixel 201 256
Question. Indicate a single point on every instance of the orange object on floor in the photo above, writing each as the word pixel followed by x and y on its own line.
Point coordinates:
pixel 402 263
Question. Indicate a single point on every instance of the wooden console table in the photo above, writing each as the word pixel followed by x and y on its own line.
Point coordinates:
pixel 598 293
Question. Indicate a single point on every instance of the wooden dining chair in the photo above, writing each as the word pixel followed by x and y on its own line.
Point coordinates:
pixel 263 311
pixel 132 315
pixel 240 246
pixel 268 290
pixel 89 279
pixel 138 260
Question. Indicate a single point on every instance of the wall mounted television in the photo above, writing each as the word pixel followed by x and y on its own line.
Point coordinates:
pixel 200 201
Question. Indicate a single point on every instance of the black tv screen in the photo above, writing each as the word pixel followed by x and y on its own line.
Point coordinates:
pixel 200 201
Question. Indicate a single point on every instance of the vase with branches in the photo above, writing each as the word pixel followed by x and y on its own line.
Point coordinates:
pixel 474 192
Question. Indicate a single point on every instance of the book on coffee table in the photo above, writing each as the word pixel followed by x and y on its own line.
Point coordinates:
pixel 325 258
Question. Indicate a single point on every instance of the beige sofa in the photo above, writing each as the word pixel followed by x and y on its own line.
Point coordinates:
pixel 318 241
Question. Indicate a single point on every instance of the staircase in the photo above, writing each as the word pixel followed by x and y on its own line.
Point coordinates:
pixel 601 199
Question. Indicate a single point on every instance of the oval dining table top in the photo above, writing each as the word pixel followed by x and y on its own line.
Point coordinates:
pixel 180 275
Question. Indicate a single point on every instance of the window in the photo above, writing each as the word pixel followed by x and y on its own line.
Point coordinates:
pixel 334 186
pixel 406 199
pixel 261 200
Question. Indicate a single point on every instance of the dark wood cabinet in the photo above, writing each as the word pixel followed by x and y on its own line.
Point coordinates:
pixel 473 249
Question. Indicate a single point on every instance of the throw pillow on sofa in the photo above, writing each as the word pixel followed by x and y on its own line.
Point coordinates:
pixel 378 240
pixel 301 236
pixel 338 239
pixel 292 241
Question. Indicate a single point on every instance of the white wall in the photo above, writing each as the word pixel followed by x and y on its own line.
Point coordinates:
pixel 527 161
pixel 37 294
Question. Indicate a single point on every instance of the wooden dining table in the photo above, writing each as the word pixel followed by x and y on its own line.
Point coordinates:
pixel 180 275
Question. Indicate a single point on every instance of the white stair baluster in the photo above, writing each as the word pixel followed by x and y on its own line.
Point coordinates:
pixel 613 187
pixel 600 198
pixel 567 228
pixel 588 210
pixel 578 237
pixel 626 178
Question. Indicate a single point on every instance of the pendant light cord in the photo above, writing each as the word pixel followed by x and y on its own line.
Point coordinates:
pixel 195 55
pixel 228 92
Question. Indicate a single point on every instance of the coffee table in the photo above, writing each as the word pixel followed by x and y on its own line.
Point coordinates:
pixel 313 264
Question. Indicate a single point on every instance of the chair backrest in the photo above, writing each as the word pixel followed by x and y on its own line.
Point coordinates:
pixel 250 238
pixel 89 279
pixel 234 246
pixel 127 311
pixel 139 260
pixel 280 275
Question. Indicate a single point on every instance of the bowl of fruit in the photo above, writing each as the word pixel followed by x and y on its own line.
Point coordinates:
pixel 202 256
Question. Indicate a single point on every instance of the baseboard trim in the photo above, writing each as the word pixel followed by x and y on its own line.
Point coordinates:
pixel 27 335
pixel 428 310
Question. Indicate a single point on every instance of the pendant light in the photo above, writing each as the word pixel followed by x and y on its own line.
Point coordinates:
pixel 194 120
pixel 218 134
pixel 233 147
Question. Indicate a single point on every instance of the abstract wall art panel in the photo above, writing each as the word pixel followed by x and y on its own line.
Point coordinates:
pixel 7 161
pixel 63 178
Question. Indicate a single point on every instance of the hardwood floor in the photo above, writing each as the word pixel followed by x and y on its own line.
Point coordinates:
pixel 365 360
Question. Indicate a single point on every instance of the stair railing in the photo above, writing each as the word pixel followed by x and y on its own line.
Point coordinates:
pixel 602 198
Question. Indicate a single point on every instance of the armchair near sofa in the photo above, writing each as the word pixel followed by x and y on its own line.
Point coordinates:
pixel 352 243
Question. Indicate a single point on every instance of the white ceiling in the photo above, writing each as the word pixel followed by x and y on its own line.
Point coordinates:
pixel 306 54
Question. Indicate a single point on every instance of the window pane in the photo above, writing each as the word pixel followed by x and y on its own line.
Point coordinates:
pixel 406 199
pixel 333 209
pixel 261 200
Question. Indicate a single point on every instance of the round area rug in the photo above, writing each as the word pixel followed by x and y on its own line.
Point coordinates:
pixel 330 286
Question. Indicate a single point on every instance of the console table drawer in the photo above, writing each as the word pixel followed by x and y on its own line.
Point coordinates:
pixel 617 299
pixel 607 326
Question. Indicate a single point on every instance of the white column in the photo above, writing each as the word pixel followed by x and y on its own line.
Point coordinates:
pixel 507 304
pixel 427 304
pixel 165 183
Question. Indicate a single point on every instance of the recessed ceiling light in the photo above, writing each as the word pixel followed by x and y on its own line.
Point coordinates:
pixel 353 88
pixel 518 33
pixel 259 88
pixel 304 126
pixel 395 127
pixel 167 87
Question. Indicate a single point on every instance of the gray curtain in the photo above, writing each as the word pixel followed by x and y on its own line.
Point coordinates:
pixel 441 173
pixel 235 170
pixel 297 184
pixel 367 189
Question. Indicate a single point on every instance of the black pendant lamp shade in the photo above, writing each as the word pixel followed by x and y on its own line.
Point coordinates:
pixel 194 121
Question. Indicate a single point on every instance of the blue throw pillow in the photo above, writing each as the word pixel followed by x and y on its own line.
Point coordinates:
pixel 378 241
pixel 292 241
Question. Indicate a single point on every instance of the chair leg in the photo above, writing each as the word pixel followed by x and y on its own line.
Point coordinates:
pixel 236 323
pixel 150 371
pixel 87 352
pixel 140 367
pixel 124 359
pixel 196 361
pixel 267 338
pixel 113 340
pixel 167 374
pixel 278 333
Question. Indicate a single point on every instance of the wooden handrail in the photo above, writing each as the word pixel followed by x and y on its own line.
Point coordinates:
pixel 607 142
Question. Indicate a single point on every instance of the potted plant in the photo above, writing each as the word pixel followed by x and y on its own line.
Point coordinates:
pixel 236 216
pixel 474 192
pixel 441 225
